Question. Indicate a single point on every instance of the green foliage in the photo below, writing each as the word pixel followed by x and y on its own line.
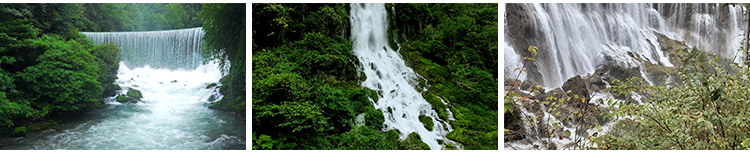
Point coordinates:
pixel 414 142
pixel 473 129
pixel 706 112
pixel 454 46
pixel 266 142
pixel 176 15
pixel 108 17
pixel 108 61
pixel 64 79
pixel 46 66
pixel 437 105
pixel 224 25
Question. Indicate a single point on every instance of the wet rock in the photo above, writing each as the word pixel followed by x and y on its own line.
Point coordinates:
pixel 212 98
pixel 577 86
pixel 211 85
pixel 557 93
pixel 533 106
pixel 514 124
pixel 528 84
pixel 595 82
pixel 125 99
pixel 134 93
pixel 173 81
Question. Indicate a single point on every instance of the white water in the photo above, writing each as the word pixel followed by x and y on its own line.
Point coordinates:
pixel 387 73
pixel 512 61
pixel 173 49
pixel 573 39
pixel 171 115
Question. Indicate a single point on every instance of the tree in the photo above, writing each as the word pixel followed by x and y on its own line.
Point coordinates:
pixel 176 16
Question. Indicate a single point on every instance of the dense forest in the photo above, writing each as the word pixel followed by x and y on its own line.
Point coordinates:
pixel 50 71
pixel 307 89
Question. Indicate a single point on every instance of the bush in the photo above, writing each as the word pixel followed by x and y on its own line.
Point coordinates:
pixel 707 112
pixel 65 78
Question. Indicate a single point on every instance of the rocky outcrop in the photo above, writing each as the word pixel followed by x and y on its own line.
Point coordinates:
pixel 132 96
pixel 576 86
pixel 514 124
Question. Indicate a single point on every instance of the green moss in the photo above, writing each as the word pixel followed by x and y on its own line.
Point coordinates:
pixel 19 131
pixel 425 146
pixel 40 126
pixel 374 118
pixel 414 142
pixel 427 121
pixel 372 94
pixel 392 134
pixel 437 105
pixel 211 85
pixel 133 93
pixel 123 99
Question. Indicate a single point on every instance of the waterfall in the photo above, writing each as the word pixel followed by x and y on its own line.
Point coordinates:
pixel 166 67
pixel 574 39
pixel 171 49
pixel 388 74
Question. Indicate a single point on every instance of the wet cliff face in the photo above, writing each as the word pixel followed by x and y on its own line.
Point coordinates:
pixel 576 39
pixel 520 33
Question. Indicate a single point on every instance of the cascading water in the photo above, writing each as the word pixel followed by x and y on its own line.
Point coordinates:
pixel 172 49
pixel 388 74
pixel 173 113
pixel 574 39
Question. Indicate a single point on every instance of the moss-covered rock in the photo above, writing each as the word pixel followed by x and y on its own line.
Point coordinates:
pixel 437 105
pixel 19 131
pixel 414 142
pixel 133 93
pixel 211 85
pixel 125 99
pixel 427 121
pixel 40 126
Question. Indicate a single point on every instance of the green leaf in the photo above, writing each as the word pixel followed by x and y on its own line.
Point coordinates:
pixel 514 94
pixel 508 107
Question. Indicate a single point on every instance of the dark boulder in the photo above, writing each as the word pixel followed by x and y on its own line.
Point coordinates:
pixel 528 84
pixel 514 124
pixel 577 86
pixel 212 98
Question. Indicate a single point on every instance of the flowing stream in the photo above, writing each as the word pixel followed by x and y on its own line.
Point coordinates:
pixel 396 83
pixel 174 112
